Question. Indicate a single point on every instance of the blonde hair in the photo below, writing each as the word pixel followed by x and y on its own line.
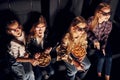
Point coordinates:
pixel 78 20
pixel 95 18
pixel 81 42
pixel 68 43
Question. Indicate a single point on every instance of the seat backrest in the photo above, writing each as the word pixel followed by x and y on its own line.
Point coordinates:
pixel 21 7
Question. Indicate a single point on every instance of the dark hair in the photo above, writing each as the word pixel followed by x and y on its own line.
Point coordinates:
pixel 11 22
pixel 41 20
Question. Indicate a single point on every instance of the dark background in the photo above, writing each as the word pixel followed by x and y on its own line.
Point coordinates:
pixel 59 14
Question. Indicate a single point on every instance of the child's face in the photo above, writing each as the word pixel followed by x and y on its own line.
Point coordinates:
pixel 78 30
pixel 15 30
pixel 104 14
pixel 40 29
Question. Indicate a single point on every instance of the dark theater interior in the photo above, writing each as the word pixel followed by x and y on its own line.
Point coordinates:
pixel 58 14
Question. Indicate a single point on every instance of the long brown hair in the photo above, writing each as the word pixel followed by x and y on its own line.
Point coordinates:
pixel 95 18
pixel 41 20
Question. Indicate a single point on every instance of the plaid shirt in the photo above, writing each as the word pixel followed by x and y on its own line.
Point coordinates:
pixel 100 32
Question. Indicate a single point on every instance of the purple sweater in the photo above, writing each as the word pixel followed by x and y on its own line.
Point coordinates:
pixel 100 32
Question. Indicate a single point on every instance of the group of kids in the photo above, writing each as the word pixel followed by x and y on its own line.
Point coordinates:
pixel 31 52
